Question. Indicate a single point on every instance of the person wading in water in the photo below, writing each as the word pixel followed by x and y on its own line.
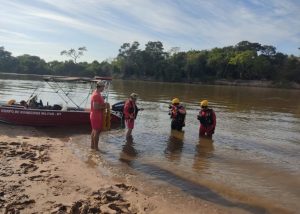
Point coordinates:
pixel 130 113
pixel 177 113
pixel 207 118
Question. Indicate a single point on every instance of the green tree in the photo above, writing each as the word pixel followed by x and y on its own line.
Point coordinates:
pixel 174 68
pixel 129 58
pixel 268 50
pixel 291 69
pixel 74 69
pixel 191 64
pixel 247 46
pixel 218 62
pixel 32 65
pixel 262 68
pixel 56 67
pixel 246 60
pixel 154 57
pixel 7 61
pixel 106 69
pixel 278 62
pixel 243 62
pixel 196 68
pixel 93 69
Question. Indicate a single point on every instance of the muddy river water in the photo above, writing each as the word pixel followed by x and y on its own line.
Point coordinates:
pixel 252 162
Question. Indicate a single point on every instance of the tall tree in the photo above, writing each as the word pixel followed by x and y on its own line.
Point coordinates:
pixel 74 54
pixel 217 62
pixel 129 58
pixel 243 62
pixel 7 61
pixel 268 50
pixel 192 67
pixel 154 56
pixel 32 65
pixel 245 45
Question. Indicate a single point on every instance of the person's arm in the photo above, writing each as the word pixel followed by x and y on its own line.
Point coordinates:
pixel 138 109
pixel 173 111
pixel 182 110
pixel 98 103
pixel 214 119
pixel 99 106
pixel 199 116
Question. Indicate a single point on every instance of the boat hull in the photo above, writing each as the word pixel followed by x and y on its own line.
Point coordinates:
pixel 42 117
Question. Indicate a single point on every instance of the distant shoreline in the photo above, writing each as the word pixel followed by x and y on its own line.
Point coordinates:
pixel 247 83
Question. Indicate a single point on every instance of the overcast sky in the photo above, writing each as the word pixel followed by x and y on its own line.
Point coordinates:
pixel 46 27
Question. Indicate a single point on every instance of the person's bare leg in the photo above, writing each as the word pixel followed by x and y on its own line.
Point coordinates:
pixel 93 139
pixel 96 142
pixel 128 134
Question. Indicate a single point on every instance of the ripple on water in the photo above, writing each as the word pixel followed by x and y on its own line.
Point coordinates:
pixel 254 155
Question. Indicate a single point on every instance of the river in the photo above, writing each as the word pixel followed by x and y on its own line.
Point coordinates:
pixel 252 162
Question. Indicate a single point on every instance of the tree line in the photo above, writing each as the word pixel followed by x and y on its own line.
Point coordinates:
pixel 243 61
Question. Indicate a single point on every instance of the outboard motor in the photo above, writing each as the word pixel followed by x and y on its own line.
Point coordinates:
pixel 56 107
pixel 119 107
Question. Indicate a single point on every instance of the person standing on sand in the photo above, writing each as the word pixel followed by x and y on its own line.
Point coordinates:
pixel 97 106
pixel 130 113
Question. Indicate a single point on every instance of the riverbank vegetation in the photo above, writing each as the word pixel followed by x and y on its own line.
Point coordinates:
pixel 244 61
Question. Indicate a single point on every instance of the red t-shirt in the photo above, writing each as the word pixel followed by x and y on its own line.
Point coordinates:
pixel 96 98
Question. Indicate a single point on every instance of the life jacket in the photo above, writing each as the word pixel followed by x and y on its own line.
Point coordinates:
pixel 176 114
pixel 206 117
pixel 133 109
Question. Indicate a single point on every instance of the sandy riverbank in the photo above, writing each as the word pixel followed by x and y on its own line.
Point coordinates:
pixel 39 174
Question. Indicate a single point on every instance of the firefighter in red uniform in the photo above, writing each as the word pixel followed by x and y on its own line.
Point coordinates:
pixel 207 118
pixel 130 113
pixel 177 113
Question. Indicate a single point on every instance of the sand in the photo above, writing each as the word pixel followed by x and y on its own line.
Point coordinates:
pixel 39 174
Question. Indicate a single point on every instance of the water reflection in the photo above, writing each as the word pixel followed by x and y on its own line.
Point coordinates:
pixel 253 124
pixel 174 145
pixel 128 153
pixel 203 151
pixel 232 99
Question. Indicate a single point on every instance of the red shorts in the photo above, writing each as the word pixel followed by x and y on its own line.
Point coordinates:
pixel 96 123
pixel 129 123
pixel 206 131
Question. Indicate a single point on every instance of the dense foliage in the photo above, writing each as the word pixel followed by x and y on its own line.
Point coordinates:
pixel 244 61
